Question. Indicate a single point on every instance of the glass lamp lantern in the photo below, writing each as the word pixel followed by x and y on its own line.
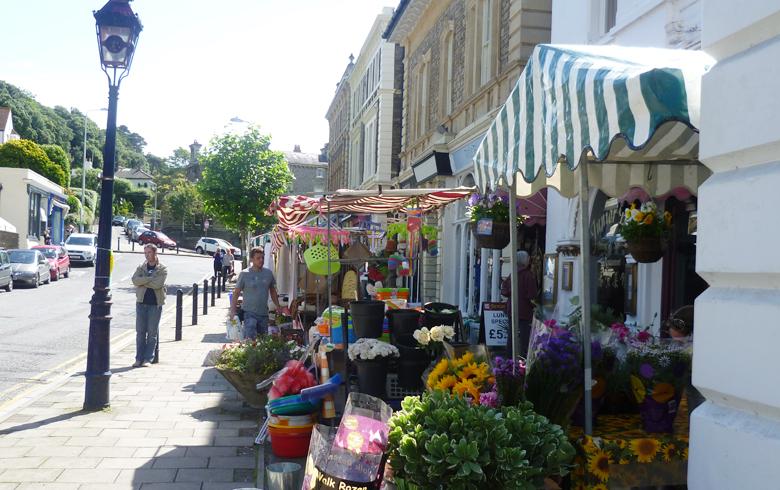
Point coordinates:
pixel 118 29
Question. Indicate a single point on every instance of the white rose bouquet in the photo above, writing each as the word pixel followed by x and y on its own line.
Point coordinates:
pixel 433 338
pixel 371 349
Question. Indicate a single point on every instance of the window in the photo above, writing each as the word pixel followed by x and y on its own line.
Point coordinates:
pixel 486 35
pixel 480 32
pixel 320 173
pixel 610 14
pixel 34 215
pixel 448 58
pixel 369 148
pixel 420 109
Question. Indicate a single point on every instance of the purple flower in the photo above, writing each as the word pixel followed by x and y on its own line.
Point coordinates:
pixel 646 370
pixel 473 199
pixel 489 399
pixel 596 350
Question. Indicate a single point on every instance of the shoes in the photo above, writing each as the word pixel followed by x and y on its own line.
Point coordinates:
pixel 137 364
pixel 146 364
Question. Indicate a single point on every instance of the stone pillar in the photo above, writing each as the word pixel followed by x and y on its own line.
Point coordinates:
pixel 735 435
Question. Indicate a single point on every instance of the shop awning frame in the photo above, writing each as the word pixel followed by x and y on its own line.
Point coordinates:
pixel 634 111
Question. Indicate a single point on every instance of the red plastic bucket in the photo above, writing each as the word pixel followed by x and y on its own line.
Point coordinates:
pixel 290 443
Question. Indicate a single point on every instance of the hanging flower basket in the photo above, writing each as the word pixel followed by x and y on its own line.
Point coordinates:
pixel 646 250
pixel 495 235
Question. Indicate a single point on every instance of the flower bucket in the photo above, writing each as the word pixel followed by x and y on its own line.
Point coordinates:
pixel 367 318
pixel 433 314
pixel 290 442
pixel 317 256
pixel 498 238
pixel 646 250
pixel 372 377
pixel 658 417
pixel 246 385
pixel 403 323
pixel 411 364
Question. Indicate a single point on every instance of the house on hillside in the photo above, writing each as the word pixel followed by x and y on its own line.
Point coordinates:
pixel 310 171
pixel 7 132
pixel 138 178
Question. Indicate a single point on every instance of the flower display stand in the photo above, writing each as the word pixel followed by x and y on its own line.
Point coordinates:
pixel 246 385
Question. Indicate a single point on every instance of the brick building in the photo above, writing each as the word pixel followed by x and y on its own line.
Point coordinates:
pixel 309 170
pixel 462 58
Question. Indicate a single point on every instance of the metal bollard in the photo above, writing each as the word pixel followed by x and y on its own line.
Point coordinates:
pixel 219 287
pixel 213 291
pixel 179 299
pixel 132 244
pixel 177 249
pixel 195 303
pixel 117 243
pixel 205 296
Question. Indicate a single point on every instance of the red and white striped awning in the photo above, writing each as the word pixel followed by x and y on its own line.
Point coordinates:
pixel 293 210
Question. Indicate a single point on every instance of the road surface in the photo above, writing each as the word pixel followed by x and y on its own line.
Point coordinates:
pixel 40 329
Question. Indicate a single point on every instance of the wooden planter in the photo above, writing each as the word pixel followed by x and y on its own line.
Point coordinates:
pixel 246 386
pixel 646 250
pixel 498 239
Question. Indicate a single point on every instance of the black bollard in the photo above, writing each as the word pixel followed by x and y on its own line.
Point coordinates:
pixel 205 296
pixel 195 303
pixel 179 313
pixel 117 243
pixel 219 287
pixel 177 249
pixel 213 291
pixel 132 244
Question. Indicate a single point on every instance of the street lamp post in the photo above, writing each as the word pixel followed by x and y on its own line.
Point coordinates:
pixel 117 32
pixel 84 171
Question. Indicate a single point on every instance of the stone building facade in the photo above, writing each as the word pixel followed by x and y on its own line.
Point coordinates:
pixel 338 117
pixel 309 170
pixel 462 58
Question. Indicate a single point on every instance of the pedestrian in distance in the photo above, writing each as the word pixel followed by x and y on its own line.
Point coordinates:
pixel 218 262
pixel 525 295
pixel 149 280
pixel 227 264
pixel 46 237
pixel 255 284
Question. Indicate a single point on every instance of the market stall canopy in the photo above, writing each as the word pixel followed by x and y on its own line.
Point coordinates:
pixel 293 210
pixel 633 110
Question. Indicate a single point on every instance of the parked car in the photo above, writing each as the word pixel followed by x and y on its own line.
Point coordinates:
pixel 130 224
pixel 207 245
pixel 30 267
pixel 137 232
pixel 118 221
pixel 82 248
pixel 59 262
pixel 158 238
pixel 6 275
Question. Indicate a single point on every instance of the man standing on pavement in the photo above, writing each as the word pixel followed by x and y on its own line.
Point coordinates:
pixel 149 280
pixel 255 284
pixel 526 293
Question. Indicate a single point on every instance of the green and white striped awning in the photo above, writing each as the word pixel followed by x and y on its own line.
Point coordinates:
pixel 635 111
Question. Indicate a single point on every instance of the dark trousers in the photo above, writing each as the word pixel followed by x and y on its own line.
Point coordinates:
pixel 523 338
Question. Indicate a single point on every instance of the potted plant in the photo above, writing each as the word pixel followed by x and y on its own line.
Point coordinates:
pixel 245 364
pixel 660 371
pixel 489 215
pixel 439 442
pixel 370 356
pixel 645 231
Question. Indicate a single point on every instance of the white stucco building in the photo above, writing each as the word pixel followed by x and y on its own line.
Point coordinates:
pixel 7 132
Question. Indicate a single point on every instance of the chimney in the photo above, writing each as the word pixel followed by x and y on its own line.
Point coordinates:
pixel 297 149
pixel 194 149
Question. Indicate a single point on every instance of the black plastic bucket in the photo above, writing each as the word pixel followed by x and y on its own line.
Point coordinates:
pixel 432 315
pixel 403 323
pixel 372 377
pixel 367 318
pixel 411 365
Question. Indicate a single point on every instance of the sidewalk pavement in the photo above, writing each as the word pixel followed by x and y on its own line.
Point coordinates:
pixel 175 425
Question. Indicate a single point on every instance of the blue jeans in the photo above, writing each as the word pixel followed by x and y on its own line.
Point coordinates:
pixel 255 325
pixel 147 326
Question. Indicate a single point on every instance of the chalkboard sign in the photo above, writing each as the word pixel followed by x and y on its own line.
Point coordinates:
pixel 494 328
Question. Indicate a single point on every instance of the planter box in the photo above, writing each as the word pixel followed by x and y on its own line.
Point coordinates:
pixel 246 386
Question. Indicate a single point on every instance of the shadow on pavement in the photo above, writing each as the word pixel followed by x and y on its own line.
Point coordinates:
pixel 41 423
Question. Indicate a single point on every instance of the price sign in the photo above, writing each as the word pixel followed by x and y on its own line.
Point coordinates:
pixel 495 324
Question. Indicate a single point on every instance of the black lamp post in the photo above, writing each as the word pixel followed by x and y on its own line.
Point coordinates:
pixel 117 32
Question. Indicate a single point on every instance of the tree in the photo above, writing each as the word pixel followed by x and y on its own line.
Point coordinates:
pixel 58 156
pixel 183 202
pixel 92 180
pixel 242 176
pixel 138 199
pixel 28 154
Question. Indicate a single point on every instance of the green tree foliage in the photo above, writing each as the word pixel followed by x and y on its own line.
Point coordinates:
pixel 92 181
pixel 122 187
pixel 138 199
pixel 34 121
pixel 58 156
pixel 183 202
pixel 130 149
pixel 242 176
pixel 28 154
pixel 95 137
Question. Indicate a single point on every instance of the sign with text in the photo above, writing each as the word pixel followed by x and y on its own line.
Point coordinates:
pixel 495 324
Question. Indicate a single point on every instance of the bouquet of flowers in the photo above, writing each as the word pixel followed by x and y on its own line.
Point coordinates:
pixel 461 376
pixel 433 339
pixel 646 222
pixel 553 381
pixel 510 380
pixel 493 205
pixel 371 349
pixel 660 371
pixel 262 357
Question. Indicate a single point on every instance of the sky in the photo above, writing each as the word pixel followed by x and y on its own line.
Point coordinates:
pixel 199 63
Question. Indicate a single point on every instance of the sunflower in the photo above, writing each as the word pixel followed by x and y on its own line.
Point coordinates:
pixel 470 371
pixel 668 452
pixel 598 465
pixel 599 486
pixel 649 217
pixel 645 449
pixel 638 388
pixel 446 383
pixel 462 361
pixel 639 217
pixel 437 372
pixel 463 386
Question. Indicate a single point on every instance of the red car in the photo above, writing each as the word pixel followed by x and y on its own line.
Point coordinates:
pixel 59 262
pixel 158 238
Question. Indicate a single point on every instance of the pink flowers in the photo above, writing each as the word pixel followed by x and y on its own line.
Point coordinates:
pixel 643 336
pixel 621 331
pixel 294 379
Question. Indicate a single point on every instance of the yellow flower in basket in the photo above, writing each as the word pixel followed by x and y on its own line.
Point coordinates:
pixel 648 219
pixel 638 388
pixel 639 217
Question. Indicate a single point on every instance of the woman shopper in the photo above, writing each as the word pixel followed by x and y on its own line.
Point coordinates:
pixel 217 263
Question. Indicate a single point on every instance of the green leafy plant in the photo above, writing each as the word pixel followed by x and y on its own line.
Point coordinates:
pixel 441 442
pixel 646 222
pixel 494 205
pixel 261 357
pixel 28 154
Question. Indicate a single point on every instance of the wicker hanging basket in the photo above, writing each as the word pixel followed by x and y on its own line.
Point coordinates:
pixel 498 238
pixel 646 250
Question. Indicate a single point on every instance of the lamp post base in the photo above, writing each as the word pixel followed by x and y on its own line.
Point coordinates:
pixel 98 375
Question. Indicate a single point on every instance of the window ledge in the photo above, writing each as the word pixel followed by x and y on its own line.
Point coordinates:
pixel 625 20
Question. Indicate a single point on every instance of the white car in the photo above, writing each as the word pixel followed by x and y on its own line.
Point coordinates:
pixel 82 247
pixel 208 245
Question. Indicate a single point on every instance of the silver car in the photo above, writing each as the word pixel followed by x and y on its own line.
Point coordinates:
pixel 29 267
pixel 6 276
